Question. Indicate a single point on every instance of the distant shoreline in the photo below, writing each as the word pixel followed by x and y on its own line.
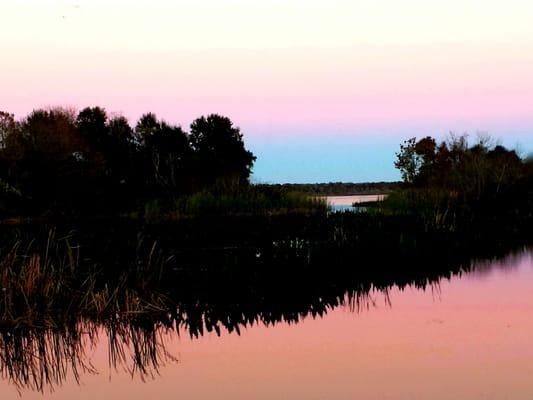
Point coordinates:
pixel 341 188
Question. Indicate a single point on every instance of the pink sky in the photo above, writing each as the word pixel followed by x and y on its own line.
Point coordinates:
pixel 282 69
pixel 356 85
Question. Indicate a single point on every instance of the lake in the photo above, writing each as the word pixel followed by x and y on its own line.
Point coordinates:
pixel 463 337
pixel 342 203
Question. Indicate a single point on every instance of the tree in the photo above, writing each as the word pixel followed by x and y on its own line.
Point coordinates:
pixel 43 156
pixel 425 149
pixel 120 129
pixel 52 134
pixel 121 151
pixel 166 149
pixel 7 128
pixel 219 150
pixel 146 126
pixel 9 156
pixel 92 125
pixel 408 161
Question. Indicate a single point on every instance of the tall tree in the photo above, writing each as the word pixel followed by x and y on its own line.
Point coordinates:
pixel 48 159
pixel 122 151
pixel 146 127
pixel 219 150
pixel 7 128
pixel 166 150
pixel 92 125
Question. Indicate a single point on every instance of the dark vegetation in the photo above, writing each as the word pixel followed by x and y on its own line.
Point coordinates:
pixel 456 186
pixel 55 162
pixel 209 251
pixel 63 289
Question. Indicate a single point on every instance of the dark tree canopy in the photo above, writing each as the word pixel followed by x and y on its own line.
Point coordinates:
pixel 51 133
pixel 146 126
pixel 219 149
pixel 458 166
pixel 7 128
pixel 166 152
pixel 56 158
pixel 92 126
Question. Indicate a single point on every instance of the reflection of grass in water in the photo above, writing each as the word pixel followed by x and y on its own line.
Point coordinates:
pixel 42 285
pixel 37 359
pixel 41 359
pixel 135 292
pixel 58 280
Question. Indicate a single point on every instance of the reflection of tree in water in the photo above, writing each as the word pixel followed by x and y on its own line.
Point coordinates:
pixel 42 359
pixel 137 294
pixel 483 268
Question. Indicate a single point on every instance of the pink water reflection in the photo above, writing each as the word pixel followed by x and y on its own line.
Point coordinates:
pixel 470 338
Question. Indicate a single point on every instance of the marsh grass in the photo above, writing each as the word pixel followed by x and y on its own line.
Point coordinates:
pixel 435 208
pixel 55 302
pixel 236 200
pixel 43 284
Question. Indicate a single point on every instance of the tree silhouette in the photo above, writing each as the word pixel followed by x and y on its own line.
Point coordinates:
pixel 219 150
pixel 92 125
pixel 7 127
pixel 474 171
pixel 63 160
pixel 146 126
pixel 408 161
pixel 122 152
pixel 51 147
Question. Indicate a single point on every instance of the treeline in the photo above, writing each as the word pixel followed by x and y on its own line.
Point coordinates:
pixel 454 184
pixel 56 160
pixel 340 188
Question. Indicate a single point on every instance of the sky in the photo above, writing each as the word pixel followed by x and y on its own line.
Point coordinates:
pixel 322 90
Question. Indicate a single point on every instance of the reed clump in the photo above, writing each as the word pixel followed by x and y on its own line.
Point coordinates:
pixel 44 284
pixel 234 200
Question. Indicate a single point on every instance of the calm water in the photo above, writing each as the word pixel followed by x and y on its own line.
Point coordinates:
pixel 341 203
pixel 468 337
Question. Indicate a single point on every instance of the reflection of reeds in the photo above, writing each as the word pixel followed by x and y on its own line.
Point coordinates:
pixel 41 285
pixel 58 296
pixel 138 348
pixel 41 359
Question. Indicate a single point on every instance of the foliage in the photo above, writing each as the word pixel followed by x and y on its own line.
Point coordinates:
pixel 455 184
pixel 57 161
pixel 219 149
pixel 166 153
pixel 408 161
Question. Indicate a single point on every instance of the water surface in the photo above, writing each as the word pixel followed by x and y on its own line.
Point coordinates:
pixel 342 203
pixel 467 337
